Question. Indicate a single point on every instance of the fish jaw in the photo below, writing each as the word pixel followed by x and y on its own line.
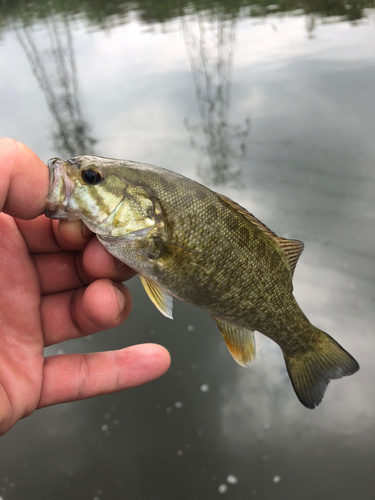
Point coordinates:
pixel 60 190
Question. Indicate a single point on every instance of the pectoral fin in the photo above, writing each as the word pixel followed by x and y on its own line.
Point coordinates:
pixel 162 299
pixel 240 341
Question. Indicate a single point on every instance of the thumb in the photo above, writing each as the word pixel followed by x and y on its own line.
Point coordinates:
pixel 24 180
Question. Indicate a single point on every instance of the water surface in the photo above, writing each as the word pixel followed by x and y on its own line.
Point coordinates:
pixel 274 107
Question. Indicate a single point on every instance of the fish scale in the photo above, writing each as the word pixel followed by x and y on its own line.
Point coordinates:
pixel 189 242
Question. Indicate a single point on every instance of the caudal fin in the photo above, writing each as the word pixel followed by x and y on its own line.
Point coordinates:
pixel 311 371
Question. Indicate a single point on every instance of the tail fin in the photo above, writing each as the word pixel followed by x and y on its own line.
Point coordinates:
pixel 310 372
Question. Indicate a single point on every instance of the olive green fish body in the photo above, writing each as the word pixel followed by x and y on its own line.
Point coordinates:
pixel 207 254
pixel 201 247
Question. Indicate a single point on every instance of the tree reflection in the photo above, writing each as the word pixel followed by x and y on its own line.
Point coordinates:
pixel 59 85
pixel 104 14
pixel 210 44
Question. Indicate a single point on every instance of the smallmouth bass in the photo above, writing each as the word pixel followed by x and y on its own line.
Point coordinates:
pixel 187 241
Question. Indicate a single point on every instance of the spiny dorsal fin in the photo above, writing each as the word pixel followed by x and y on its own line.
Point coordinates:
pixel 162 299
pixel 291 249
pixel 240 341
pixel 249 216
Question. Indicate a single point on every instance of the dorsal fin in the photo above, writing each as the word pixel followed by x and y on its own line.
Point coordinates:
pixel 291 249
pixel 249 216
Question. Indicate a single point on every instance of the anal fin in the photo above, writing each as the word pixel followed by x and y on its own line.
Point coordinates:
pixel 162 299
pixel 240 341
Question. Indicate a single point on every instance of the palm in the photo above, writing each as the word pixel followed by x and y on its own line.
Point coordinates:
pixel 21 337
pixel 44 299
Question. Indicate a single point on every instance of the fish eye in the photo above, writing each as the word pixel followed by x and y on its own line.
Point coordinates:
pixel 91 176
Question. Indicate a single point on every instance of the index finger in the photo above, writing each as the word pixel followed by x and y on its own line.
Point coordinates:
pixel 24 180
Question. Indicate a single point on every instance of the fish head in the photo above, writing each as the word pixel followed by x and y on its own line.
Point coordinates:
pixel 99 192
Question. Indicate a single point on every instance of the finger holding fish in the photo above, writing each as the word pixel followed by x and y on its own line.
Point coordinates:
pixel 83 311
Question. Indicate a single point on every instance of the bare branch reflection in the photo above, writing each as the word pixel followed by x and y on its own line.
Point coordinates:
pixel 210 45
pixel 58 83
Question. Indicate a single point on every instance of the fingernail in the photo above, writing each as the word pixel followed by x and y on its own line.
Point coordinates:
pixel 120 298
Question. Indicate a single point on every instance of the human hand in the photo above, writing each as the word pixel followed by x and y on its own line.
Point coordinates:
pixel 57 282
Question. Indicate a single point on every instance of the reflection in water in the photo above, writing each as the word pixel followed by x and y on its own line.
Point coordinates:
pixel 60 87
pixel 106 14
pixel 312 153
pixel 210 44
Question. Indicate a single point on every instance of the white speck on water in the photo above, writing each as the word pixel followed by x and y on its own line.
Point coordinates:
pixel 179 405
pixel 89 337
pixel 213 478
pixel 60 351
pixel 205 388
pixel 152 332
pixel 169 410
pixel 190 328
pixel 200 432
pixel 267 427
pixel 180 453
pixel 276 479
pixel 96 498
pixel 265 458
pixel 107 416
pixel 107 433
pixel 116 421
pixel 231 479
pixel 12 485
pixel 194 366
pixel 158 406
pixel 179 373
pixel 113 409
pixel 70 474
pixel 223 488
pixel 105 427
pixel 5 479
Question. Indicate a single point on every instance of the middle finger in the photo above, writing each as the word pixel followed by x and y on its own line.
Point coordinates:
pixel 62 271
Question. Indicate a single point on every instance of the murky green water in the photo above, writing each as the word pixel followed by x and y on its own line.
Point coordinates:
pixel 272 105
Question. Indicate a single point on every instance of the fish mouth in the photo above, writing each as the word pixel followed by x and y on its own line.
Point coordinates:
pixel 60 190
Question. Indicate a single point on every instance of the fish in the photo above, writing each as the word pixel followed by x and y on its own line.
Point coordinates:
pixel 189 242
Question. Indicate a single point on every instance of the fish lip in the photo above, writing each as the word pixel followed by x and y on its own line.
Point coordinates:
pixel 51 162
pixel 58 182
